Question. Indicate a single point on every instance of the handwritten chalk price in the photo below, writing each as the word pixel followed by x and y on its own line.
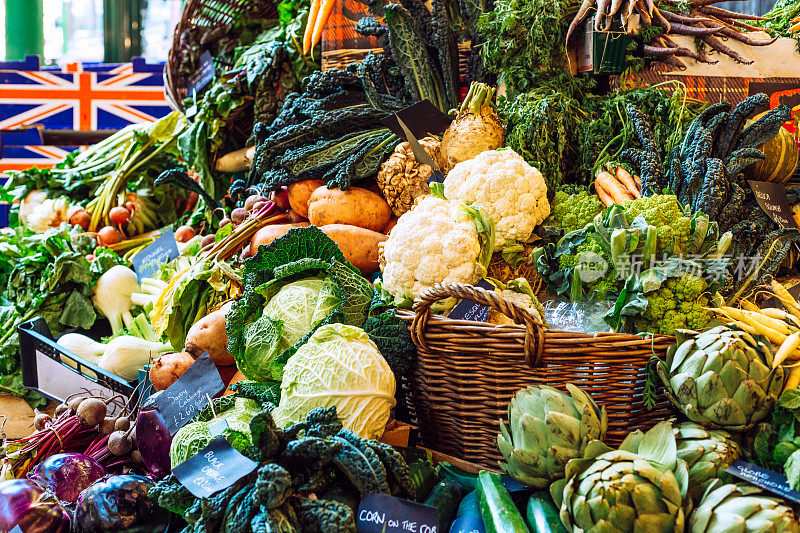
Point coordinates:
pixel 215 467
pixel 773 200
pixel 766 479
pixel 381 513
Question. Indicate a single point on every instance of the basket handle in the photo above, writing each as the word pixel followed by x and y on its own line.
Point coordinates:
pixel 534 330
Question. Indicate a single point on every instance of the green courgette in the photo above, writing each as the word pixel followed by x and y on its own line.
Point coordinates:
pixel 498 511
pixel 543 515
pixel 445 496
pixel 469 505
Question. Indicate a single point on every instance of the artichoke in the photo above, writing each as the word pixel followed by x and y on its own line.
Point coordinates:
pixel 402 180
pixel 741 507
pixel 722 378
pixel 707 452
pixel 639 487
pixel 546 429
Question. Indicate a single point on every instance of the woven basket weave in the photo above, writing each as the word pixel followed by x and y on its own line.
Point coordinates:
pixel 206 13
pixel 466 373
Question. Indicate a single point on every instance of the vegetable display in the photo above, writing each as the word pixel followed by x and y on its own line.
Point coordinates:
pixel 324 200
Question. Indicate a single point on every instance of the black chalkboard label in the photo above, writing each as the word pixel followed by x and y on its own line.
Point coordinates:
pixel 184 398
pixel 766 479
pixel 467 524
pixel 215 467
pixel 381 513
pixel 469 310
pixel 203 75
pixel 773 200
pixel 163 250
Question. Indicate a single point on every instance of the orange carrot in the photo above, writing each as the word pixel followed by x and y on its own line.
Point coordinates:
pixel 313 12
pixel 319 24
pixel 613 187
pixel 627 180
pixel 604 196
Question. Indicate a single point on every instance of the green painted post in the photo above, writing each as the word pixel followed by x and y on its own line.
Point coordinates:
pixel 24 29
pixel 122 30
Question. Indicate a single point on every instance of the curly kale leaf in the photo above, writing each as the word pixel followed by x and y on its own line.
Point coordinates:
pixel 265 435
pixel 360 463
pixel 171 495
pixel 241 510
pixel 324 516
pixel 395 465
pixel 280 520
pixel 273 486
pixel 322 422
pixel 266 393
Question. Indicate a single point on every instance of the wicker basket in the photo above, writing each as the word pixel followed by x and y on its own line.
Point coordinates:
pixel 206 13
pixel 466 373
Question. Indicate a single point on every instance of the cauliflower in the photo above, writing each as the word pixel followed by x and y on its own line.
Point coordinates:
pixel 436 242
pixel 678 304
pixel 513 192
pixel 573 211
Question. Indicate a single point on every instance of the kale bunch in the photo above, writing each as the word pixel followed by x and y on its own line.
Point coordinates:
pixel 311 477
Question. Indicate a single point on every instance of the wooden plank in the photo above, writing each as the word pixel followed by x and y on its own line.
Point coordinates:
pixel 19 416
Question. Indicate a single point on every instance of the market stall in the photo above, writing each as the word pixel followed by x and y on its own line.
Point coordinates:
pixel 522 265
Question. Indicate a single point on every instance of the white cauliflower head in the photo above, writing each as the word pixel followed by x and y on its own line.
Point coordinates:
pixel 510 190
pixel 436 242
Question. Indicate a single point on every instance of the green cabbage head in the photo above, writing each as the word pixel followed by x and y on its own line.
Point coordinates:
pixel 301 306
pixel 291 314
pixel 338 366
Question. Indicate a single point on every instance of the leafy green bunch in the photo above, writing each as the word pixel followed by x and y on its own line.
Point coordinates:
pixel 778 446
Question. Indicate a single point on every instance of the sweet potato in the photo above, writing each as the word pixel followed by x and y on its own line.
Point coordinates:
pixel 238 376
pixel 390 226
pixel 208 335
pixel 168 368
pixel 300 192
pixel 359 245
pixel 355 206
pixel 267 234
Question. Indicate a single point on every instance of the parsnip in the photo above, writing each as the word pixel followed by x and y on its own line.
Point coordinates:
pixel 794 379
pixel 788 347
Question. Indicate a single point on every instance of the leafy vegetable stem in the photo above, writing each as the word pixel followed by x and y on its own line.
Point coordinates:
pixel 12 330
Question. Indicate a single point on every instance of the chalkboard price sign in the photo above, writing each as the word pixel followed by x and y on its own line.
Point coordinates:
pixel 773 200
pixel 381 513
pixel 184 398
pixel 215 467
pixel 469 310
pixel 163 250
pixel 766 479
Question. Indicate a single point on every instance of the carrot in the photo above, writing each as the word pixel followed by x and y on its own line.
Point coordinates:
pixel 638 181
pixel 626 179
pixel 793 380
pixel 613 187
pixel 795 28
pixel 319 24
pixel 604 196
pixel 788 347
pixel 312 19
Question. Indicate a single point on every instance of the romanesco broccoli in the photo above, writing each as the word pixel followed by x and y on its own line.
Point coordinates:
pixel 673 226
pixel 603 287
pixel 678 304
pixel 573 211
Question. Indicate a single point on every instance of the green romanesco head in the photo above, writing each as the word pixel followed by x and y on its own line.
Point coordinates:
pixel 605 288
pixel 678 304
pixel 665 213
pixel 591 244
pixel 573 211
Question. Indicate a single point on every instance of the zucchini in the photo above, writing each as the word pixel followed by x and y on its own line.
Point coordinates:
pixel 469 505
pixel 543 515
pixel 498 511
pixel 445 497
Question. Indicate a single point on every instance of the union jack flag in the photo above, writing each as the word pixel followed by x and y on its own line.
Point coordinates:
pixel 82 100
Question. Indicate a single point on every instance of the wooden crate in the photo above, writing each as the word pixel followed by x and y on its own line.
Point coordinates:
pixel 19 416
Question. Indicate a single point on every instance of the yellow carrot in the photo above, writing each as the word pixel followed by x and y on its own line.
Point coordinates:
pixel 748 305
pixel 319 25
pixel 788 347
pixel 794 379
pixel 750 316
pixel 786 299
pixel 313 12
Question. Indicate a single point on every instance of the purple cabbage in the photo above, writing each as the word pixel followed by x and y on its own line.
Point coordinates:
pixel 120 504
pixel 66 475
pixel 23 503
